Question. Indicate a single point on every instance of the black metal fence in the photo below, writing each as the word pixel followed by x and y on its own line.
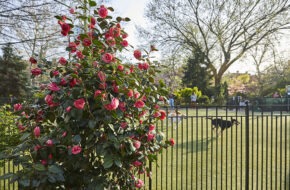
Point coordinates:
pixel 253 154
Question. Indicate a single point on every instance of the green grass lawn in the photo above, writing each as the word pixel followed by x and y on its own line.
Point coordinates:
pixel 202 160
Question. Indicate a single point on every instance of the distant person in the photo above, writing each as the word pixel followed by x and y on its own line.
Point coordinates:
pixel 276 95
pixel 171 101
pixel 193 98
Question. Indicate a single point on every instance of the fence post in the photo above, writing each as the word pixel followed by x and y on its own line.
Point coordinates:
pixel 150 179
pixel 247 168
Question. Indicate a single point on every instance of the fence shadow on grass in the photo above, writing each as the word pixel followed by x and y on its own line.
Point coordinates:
pixel 197 146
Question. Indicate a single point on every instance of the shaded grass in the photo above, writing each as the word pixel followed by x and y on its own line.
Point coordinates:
pixel 202 160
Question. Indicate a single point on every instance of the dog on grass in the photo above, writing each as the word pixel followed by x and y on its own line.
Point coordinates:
pixel 223 124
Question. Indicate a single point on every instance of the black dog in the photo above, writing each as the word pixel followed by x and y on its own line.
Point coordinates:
pixel 223 124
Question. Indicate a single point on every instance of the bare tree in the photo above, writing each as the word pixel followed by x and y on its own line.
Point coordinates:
pixel 224 30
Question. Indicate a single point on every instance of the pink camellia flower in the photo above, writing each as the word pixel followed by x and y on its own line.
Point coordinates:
pixel 113 105
pixel 137 54
pixel 49 100
pixel 145 66
pixel 163 114
pixel 124 43
pixel 73 82
pixel 36 71
pixel 62 61
pixel 156 114
pixel 130 93
pixel 111 41
pixel 137 163
pixel 123 125
pixel 65 29
pixel 53 87
pixel 55 73
pixel 122 106
pixel 120 67
pixel 97 93
pixel 73 47
pixel 125 35
pixel 102 76
pixel 64 134
pixel 139 104
pixel 37 147
pixel 136 94
pixel 107 57
pixel 50 156
pixel 171 141
pixel 17 107
pixel 87 42
pixel 93 21
pixel 36 132
pixel 68 109
pixel 32 60
pixel 151 127
pixel 139 184
pixel 49 142
pixel 150 136
pixel 80 103
pixel 80 55
pixel 103 11
pixel 137 144
pixel 43 162
pixel 71 10
pixel 76 149
pixel 21 127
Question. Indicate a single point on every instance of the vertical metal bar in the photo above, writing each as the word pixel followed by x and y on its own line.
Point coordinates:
pixel 150 179
pixel 206 174
pixel 267 136
pixel 216 162
pixel 176 157
pixel 247 157
pixel 281 149
pixel 172 152
pixel 181 179
pixel 276 151
pixel 196 148
pixel 201 158
pixel 166 168
pixel 221 158
pixel 286 126
pixel 192 127
pixel 187 129
pixel 257 156
pixel 236 151
pixel 271 154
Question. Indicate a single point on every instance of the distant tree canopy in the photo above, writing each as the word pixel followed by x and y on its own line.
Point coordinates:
pixel 197 73
pixel 224 30
pixel 13 74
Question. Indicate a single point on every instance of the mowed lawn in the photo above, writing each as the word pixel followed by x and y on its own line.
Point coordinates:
pixel 201 159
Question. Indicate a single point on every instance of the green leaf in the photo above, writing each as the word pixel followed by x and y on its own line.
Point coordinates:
pixel 92 3
pixel 39 167
pixel 6 176
pixel 108 162
pixel 110 8
pixel 92 124
pixel 24 182
pixel 118 163
pixel 24 136
pixel 77 139
pixel 127 19
pixel 119 19
pixel 55 169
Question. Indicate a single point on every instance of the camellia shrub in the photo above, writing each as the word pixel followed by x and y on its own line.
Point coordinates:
pixel 95 126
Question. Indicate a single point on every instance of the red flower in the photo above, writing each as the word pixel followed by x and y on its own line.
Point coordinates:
pixel 139 104
pixel 36 71
pixel 139 184
pixel 71 11
pixel 53 87
pixel 137 163
pixel 107 57
pixel 171 141
pixel 137 54
pixel 73 47
pixel 102 76
pixel 124 43
pixel 113 105
pixel 68 109
pixel 150 136
pixel 122 106
pixel 17 107
pixel 80 55
pixel 137 144
pixel 130 93
pixel 123 125
pixel 49 142
pixel 87 42
pixel 151 127
pixel 97 93
pixel 62 61
pixel 36 132
pixel 103 12
pixel 65 29
pixel 124 35
pixel 163 114
pixel 120 67
pixel 76 149
pixel 32 60
pixel 93 21
pixel 80 103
